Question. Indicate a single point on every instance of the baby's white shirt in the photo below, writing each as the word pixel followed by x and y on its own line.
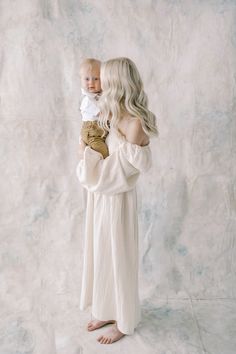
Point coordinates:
pixel 89 109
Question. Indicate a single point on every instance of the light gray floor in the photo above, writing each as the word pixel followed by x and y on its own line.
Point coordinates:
pixel 167 327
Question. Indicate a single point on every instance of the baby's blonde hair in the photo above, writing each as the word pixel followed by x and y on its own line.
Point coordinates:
pixel 123 92
pixel 89 63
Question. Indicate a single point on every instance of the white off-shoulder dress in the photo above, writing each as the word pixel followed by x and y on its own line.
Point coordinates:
pixel 110 266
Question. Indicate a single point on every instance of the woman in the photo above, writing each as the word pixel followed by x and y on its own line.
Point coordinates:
pixel 110 270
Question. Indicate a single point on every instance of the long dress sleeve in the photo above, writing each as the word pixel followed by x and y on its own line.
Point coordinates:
pixel 117 173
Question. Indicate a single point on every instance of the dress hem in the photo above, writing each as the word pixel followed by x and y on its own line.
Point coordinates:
pixel 100 318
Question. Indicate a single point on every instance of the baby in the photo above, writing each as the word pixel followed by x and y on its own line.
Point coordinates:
pixel 91 133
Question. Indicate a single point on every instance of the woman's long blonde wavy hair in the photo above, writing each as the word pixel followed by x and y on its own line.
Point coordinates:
pixel 123 93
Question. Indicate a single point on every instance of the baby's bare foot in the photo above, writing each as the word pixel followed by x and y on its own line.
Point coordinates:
pixel 112 335
pixel 95 324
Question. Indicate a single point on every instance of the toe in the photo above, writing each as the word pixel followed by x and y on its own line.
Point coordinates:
pixel 100 338
pixel 104 340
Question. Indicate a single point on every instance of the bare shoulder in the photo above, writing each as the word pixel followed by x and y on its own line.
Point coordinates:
pixel 135 133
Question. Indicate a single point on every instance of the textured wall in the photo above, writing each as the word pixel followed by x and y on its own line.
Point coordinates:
pixel 186 53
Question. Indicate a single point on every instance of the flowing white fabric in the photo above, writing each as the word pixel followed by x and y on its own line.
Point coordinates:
pixel 110 269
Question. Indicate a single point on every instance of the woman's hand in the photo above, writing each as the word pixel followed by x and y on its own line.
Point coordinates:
pixel 82 147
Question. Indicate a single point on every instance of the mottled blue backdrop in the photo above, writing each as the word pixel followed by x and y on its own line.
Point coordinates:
pixel 186 53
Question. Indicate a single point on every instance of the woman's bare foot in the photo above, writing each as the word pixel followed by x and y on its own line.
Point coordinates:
pixel 112 335
pixel 95 324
